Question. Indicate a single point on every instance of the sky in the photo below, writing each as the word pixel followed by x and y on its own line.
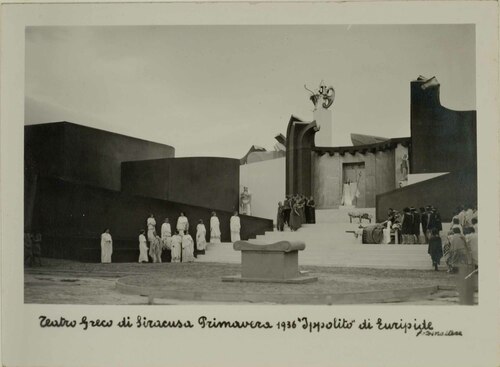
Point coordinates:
pixel 217 90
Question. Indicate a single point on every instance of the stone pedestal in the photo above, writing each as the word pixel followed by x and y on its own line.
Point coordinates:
pixel 277 262
pixel 323 118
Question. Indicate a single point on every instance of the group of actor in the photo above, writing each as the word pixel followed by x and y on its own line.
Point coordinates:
pixel 179 242
pixel 458 246
pixel 294 211
pixel 414 226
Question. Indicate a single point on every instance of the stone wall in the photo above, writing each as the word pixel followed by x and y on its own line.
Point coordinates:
pixel 379 176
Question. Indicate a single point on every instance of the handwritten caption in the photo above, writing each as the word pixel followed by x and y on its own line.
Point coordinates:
pixel 304 324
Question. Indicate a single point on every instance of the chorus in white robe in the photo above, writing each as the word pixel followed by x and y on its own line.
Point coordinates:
pixel 176 248
pixel 166 236
pixel 387 233
pixel 201 237
pixel 182 224
pixel 235 226
pixel 151 224
pixel 143 249
pixel 106 247
pixel 155 249
pixel 214 229
pixel 187 248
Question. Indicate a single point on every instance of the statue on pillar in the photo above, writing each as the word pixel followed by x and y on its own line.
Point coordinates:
pixel 245 202
pixel 323 92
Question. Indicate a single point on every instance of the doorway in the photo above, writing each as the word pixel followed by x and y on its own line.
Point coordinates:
pixel 355 173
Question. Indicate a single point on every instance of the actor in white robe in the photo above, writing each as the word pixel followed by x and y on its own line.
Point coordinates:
pixel 187 248
pixel 155 249
pixel 143 248
pixel 166 235
pixel 182 224
pixel 106 247
pixel 176 248
pixel 151 224
pixel 235 226
pixel 214 229
pixel 346 195
pixel 201 236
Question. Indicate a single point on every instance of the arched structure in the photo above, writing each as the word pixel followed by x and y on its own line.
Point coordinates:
pixel 299 146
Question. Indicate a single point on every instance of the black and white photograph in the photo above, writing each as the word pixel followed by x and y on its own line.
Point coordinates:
pixel 251 164
pixel 249 184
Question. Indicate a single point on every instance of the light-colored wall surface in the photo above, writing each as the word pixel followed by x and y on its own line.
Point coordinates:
pixel 266 182
pixel 419 177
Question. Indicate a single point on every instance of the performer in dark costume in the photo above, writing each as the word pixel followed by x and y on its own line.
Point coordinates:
pixel 435 248
pixel 280 222
pixel 407 226
pixel 311 210
pixel 287 208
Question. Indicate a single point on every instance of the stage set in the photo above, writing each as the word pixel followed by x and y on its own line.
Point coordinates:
pixel 80 180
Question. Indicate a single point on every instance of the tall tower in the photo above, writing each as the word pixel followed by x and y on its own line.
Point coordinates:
pixel 323 118
pixel 323 100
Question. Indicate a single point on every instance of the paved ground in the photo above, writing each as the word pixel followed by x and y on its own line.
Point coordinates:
pixel 67 282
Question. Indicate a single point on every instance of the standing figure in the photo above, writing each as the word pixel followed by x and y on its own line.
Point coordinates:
pixel 166 235
pixel 176 247
pixel 235 226
pixel 246 199
pixel 201 237
pixel 182 224
pixel 346 194
pixel 416 224
pixel 151 224
pixel 311 210
pixel 458 253
pixel 214 229
pixel 187 248
pixel 435 249
pixel 106 247
pixel 295 220
pixel 407 226
pixel 405 166
pixel 143 248
pixel 155 248
pixel 280 220
pixel 287 209
pixel 471 239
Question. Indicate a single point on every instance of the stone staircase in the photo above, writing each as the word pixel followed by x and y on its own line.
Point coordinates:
pixel 328 244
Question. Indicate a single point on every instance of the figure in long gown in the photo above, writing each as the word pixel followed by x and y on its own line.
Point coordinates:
pixel 311 210
pixel 280 218
pixel 176 248
pixel 187 248
pixel 295 221
pixel 346 194
pixel 106 247
pixel 201 237
pixel 166 235
pixel 182 224
pixel 143 248
pixel 155 249
pixel 214 229
pixel 235 227
pixel 151 224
